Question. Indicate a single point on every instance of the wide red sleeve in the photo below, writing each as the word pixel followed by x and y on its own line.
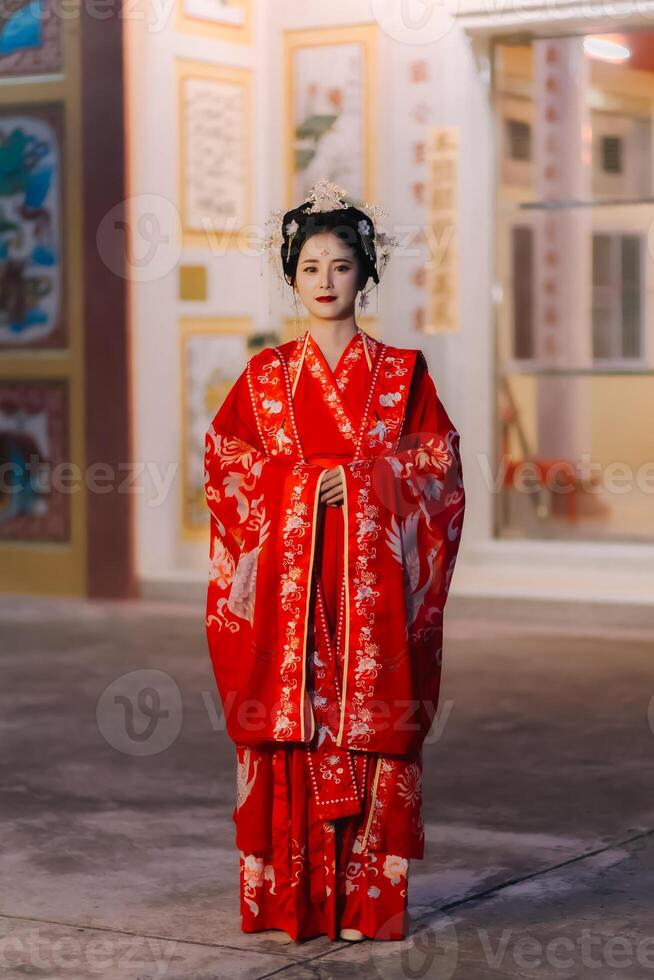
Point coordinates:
pixel 429 466
pixel 405 513
pixel 262 529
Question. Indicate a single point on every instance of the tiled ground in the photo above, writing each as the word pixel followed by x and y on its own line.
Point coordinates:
pixel 538 802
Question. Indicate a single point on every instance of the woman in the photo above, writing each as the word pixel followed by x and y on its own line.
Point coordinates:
pixel 334 481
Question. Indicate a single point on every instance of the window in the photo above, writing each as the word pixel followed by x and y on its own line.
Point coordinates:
pixel 611 154
pixel 523 291
pixel 616 297
pixel 574 308
pixel 519 139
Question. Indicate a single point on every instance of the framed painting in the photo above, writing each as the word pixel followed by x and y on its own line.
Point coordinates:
pixel 31 39
pixel 214 352
pixel 34 453
pixel 32 308
pixel 215 164
pixel 331 112
pixel 218 20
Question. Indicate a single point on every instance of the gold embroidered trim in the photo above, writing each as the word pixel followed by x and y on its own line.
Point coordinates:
pixel 373 799
pixel 346 631
pixel 365 347
pixel 300 363
pixel 306 616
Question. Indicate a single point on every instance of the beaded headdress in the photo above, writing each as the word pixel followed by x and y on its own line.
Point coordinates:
pixel 327 196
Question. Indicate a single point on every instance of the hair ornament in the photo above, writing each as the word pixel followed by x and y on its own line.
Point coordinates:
pixel 326 196
pixel 292 229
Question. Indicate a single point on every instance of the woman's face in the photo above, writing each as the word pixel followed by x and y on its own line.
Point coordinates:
pixel 328 267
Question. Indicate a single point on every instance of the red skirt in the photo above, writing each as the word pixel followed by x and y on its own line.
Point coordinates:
pixel 314 880
pixel 306 813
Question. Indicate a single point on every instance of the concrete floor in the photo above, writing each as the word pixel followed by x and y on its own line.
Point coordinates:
pixel 117 855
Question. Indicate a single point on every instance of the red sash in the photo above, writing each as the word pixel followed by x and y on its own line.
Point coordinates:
pixel 337 776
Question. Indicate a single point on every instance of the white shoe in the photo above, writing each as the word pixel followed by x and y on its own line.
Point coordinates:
pixel 353 935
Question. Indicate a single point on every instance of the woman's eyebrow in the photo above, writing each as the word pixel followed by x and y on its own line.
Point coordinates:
pixel 344 258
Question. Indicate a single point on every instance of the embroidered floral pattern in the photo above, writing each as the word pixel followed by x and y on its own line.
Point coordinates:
pixel 240 469
pixel 329 855
pixel 221 567
pixel 273 412
pixel 352 357
pixel 353 871
pixel 425 472
pixel 381 798
pixel 395 868
pixel 399 779
pixel 246 774
pixel 366 595
pixel 331 395
pixel 349 881
pixel 386 413
pixel 409 784
pixel 366 872
pixel 254 873
pixel 298 862
pixel 232 569
pixel 296 536
pixel 270 404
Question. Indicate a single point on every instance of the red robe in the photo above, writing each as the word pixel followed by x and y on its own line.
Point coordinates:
pixel 324 624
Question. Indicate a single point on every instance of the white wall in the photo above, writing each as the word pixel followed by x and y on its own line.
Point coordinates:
pixel 235 285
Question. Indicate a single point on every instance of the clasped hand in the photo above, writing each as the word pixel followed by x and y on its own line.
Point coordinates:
pixel 331 488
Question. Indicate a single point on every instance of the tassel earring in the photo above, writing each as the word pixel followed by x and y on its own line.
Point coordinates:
pixel 297 313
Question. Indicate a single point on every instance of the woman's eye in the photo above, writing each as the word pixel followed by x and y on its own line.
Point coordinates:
pixel 338 268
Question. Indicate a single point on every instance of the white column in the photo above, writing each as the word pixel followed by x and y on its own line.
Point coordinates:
pixel 562 172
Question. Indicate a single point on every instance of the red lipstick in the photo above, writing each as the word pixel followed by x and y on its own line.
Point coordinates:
pixel 326 299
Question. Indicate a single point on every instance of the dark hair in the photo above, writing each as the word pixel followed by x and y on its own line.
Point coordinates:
pixel 344 222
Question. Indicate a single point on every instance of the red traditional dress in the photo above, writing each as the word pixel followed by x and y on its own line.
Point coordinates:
pixel 324 624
